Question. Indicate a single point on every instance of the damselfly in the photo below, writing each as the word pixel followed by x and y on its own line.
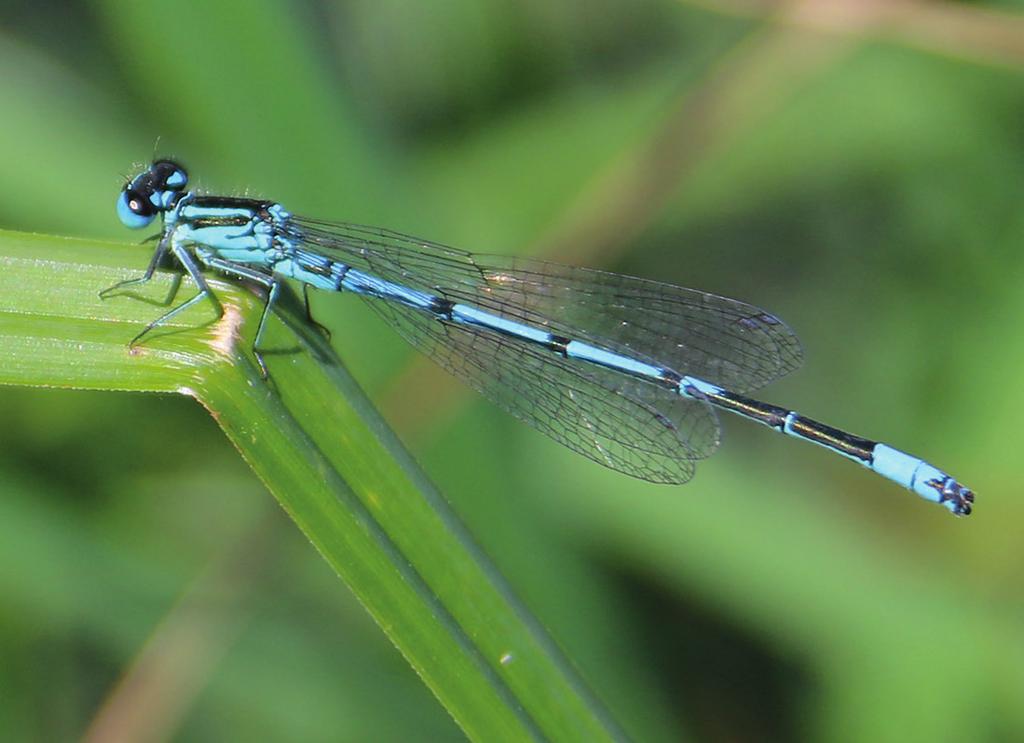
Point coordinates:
pixel 626 371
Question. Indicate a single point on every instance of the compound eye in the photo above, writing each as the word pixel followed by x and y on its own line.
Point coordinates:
pixel 134 210
pixel 167 174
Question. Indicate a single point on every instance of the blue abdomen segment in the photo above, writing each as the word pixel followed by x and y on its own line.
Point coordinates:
pixel 570 349
pixel 610 360
pixel 371 286
pixel 913 473
pixel 926 480
pixel 466 315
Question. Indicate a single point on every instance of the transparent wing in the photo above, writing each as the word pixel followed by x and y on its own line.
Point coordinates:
pixel 723 341
pixel 623 423
pixel 720 340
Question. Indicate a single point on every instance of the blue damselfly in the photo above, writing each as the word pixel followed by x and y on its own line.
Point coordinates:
pixel 626 371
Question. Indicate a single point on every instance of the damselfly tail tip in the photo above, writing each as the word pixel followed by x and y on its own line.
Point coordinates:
pixel 954 496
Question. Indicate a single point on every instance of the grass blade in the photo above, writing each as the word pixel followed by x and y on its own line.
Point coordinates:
pixel 322 450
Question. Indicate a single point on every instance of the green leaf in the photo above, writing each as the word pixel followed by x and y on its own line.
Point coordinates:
pixel 321 449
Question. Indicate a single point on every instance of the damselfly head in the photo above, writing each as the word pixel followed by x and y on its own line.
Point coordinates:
pixel 152 191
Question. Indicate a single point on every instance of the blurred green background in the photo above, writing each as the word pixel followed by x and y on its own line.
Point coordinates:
pixel 855 167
